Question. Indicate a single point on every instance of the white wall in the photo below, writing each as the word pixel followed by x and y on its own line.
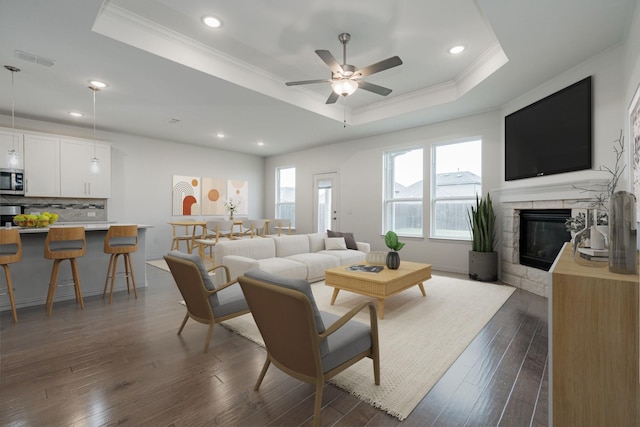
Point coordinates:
pixel 359 164
pixel 142 176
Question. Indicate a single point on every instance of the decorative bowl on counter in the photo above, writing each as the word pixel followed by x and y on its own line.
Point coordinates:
pixel 35 221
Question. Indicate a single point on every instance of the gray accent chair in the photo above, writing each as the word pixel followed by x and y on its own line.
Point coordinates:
pixel 205 303
pixel 295 336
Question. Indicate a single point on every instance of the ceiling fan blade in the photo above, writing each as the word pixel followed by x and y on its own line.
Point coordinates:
pixel 394 61
pixel 332 98
pixel 328 59
pixel 307 82
pixel 380 90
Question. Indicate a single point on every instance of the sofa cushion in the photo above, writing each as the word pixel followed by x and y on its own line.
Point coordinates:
pixel 348 238
pixel 347 257
pixel 290 245
pixel 256 248
pixel 316 264
pixel 316 241
pixel 283 267
pixel 335 244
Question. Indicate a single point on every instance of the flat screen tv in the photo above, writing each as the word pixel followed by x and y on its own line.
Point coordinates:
pixel 550 136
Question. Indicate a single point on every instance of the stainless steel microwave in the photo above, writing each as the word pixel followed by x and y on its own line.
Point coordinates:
pixel 12 181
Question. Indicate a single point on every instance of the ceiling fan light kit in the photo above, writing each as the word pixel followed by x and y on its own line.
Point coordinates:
pixel 345 78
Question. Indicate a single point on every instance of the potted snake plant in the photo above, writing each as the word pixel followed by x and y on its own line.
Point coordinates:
pixel 483 260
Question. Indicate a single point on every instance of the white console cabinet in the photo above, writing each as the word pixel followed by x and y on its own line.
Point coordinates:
pixel 7 144
pixel 76 177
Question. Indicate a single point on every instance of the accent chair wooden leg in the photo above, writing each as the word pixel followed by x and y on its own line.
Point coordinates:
pixel 318 403
pixel 262 373
pixel 184 322
pixel 208 340
pixel 7 274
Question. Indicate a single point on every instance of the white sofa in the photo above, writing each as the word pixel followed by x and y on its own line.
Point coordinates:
pixel 300 256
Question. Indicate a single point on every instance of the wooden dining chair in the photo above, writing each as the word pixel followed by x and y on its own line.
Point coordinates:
pixel 215 231
pixel 10 252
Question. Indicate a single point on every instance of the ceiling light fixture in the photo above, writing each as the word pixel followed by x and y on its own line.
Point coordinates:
pixel 13 155
pixel 97 84
pixel 457 49
pixel 212 21
pixel 220 135
pixel 75 114
pixel 95 162
pixel 344 87
pixel 260 143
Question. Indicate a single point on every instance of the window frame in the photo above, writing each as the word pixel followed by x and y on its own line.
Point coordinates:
pixel 433 196
pixel 278 202
pixel 388 199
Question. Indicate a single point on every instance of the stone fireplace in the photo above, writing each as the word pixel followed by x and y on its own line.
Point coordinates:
pixel 516 201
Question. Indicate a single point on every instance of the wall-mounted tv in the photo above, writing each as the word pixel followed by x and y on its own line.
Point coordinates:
pixel 550 136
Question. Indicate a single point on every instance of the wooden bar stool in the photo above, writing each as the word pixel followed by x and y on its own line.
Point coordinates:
pixel 10 252
pixel 64 243
pixel 120 240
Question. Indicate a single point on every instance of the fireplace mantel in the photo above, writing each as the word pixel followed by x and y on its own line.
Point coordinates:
pixel 560 191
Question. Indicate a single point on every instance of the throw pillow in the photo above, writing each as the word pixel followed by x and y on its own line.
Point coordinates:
pixel 335 244
pixel 348 238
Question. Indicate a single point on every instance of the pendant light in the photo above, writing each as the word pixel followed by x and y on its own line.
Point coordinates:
pixel 13 155
pixel 95 162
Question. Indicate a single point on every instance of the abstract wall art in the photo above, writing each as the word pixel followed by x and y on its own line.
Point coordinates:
pixel 186 195
pixel 214 194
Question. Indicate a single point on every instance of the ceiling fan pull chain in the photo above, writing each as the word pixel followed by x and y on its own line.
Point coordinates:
pixel 344 111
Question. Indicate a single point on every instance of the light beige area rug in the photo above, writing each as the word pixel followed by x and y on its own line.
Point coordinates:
pixel 420 337
pixel 159 263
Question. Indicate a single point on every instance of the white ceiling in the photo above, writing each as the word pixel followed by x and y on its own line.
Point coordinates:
pixel 162 64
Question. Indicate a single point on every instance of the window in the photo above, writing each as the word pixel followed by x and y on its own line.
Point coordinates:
pixel 456 178
pixel 286 194
pixel 403 192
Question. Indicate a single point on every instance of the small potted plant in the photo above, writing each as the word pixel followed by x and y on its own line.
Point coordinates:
pixel 483 260
pixel 392 242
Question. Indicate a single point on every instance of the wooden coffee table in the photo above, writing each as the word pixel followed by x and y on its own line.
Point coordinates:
pixel 378 285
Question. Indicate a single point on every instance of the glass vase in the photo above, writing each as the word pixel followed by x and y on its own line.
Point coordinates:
pixel 623 252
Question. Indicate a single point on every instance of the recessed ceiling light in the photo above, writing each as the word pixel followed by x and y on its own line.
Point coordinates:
pixel 220 135
pixel 75 114
pixel 260 143
pixel 97 83
pixel 212 21
pixel 457 49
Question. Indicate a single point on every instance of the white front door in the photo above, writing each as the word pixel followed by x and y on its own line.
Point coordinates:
pixel 325 209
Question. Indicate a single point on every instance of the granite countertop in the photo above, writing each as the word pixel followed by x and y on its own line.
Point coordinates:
pixel 88 226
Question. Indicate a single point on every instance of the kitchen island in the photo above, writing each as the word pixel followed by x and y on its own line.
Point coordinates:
pixel 31 275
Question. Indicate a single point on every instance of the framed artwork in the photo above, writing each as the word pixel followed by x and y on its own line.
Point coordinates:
pixel 634 146
pixel 186 195
pixel 214 194
pixel 238 191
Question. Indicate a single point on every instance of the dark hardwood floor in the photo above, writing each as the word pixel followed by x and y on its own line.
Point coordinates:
pixel 124 364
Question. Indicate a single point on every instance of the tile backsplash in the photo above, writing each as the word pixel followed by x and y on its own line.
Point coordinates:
pixel 69 210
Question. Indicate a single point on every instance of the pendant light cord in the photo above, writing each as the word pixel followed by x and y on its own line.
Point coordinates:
pixel 13 107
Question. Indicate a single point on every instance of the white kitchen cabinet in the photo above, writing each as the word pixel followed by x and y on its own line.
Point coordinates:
pixel 76 176
pixel 42 165
pixel 6 144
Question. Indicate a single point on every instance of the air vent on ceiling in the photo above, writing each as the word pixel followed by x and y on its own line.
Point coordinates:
pixel 31 57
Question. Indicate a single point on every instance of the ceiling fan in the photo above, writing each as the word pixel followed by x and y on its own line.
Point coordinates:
pixel 345 78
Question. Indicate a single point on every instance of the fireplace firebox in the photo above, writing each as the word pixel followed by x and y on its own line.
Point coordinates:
pixel 542 234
